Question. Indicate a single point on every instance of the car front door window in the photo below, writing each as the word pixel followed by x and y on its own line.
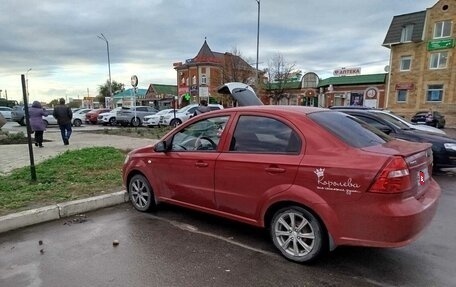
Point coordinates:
pixel 203 135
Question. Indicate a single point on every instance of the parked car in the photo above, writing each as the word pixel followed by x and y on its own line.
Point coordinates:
pixel 134 116
pixel 108 118
pixel 92 116
pixel 443 147
pixel 6 112
pixel 394 117
pixel 18 115
pixel 185 113
pixel 49 119
pixel 436 119
pixel 316 178
pixel 79 116
pixel 157 119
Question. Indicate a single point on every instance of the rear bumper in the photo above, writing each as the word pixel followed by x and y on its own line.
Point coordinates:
pixel 381 223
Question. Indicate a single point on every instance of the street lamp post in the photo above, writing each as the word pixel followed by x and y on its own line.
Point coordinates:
pixel 258 43
pixel 102 37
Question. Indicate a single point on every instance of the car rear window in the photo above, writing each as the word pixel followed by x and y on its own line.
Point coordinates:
pixel 349 129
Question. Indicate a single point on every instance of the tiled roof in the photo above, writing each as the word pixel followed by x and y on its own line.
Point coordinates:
pixel 164 89
pixel 140 93
pixel 417 19
pixel 287 86
pixel 354 80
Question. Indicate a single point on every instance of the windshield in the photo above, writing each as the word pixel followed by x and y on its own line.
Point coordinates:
pixel 394 121
pixel 349 129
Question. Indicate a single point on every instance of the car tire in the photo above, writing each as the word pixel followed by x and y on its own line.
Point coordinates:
pixel 175 122
pixel 298 234
pixel 135 122
pixel 112 121
pixel 141 194
pixel 77 123
pixel 22 122
pixel 45 124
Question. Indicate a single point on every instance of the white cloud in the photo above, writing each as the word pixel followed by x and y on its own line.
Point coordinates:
pixel 58 39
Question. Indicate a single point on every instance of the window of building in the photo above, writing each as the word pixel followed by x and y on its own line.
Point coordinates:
pixel 434 93
pixel 442 29
pixel 406 63
pixel 406 34
pixel 203 79
pixel 438 60
pixel 401 96
pixel 183 80
pixel 310 80
pixel 194 80
pixel 186 81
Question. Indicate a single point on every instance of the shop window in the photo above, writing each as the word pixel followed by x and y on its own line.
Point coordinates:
pixel 401 96
pixel 406 63
pixel 442 29
pixel 438 60
pixel 434 93
pixel 406 34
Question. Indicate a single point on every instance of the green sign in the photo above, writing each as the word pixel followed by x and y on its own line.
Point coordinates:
pixel 440 44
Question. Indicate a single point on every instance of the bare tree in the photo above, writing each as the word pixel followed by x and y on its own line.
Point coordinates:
pixel 279 74
pixel 236 69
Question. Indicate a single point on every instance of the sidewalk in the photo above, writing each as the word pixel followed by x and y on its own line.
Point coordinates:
pixel 17 156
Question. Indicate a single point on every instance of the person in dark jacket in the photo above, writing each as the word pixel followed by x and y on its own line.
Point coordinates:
pixel 202 108
pixel 36 113
pixel 63 114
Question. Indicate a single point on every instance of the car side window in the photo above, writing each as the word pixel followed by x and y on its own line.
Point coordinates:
pixel 204 135
pixel 141 109
pixel 371 122
pixel 259 134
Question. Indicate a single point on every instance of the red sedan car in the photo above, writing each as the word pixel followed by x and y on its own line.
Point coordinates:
pixel 316 178
pixel 92 116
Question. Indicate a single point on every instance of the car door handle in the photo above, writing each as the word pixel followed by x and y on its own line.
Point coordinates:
pixel 275 169
pixel 201 164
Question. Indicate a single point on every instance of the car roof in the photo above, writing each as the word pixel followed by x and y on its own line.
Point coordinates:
pixel 275 108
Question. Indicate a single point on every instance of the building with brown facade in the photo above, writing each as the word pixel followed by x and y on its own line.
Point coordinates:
pixel 422 68
pixel 198 78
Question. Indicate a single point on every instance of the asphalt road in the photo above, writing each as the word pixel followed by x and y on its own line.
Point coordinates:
pixel 178 247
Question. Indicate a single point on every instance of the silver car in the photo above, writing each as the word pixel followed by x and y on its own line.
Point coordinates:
pixel 134 116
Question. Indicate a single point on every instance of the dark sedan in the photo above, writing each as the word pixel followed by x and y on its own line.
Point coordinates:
pixel 443 147
pixel 434 119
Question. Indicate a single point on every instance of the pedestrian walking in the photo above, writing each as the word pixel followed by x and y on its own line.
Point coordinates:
pixel 63 114
pixel 36 113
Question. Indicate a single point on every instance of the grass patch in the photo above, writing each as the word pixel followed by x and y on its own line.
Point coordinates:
pixel 69 176
pixel 13 138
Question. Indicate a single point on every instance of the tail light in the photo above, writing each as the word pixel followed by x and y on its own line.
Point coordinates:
pixel 394 178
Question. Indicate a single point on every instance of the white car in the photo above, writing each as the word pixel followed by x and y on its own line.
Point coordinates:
pixel 108 118
pixel 79 117
pixel 185 113
pixel 6 112
pixel 425 128
pixel 49 119
pixel 157 119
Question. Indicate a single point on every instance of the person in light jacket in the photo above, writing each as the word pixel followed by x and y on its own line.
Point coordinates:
pixel 36 113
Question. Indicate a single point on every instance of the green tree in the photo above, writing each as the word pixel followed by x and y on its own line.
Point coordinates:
pixel 103 90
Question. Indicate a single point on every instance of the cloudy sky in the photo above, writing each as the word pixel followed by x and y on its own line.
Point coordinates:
pixel 57 39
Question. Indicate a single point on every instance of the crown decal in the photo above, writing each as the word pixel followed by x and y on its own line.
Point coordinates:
pixel 320 172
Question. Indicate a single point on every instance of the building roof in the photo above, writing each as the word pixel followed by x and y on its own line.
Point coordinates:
pixel 286 86
pixel 160 89
pixel 354 80
pixel 140 93
pixel 417 19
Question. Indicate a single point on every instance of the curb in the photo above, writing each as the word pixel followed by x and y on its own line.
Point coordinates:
pixel 61 210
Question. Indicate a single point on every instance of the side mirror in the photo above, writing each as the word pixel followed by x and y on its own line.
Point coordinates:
pixel 161 147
